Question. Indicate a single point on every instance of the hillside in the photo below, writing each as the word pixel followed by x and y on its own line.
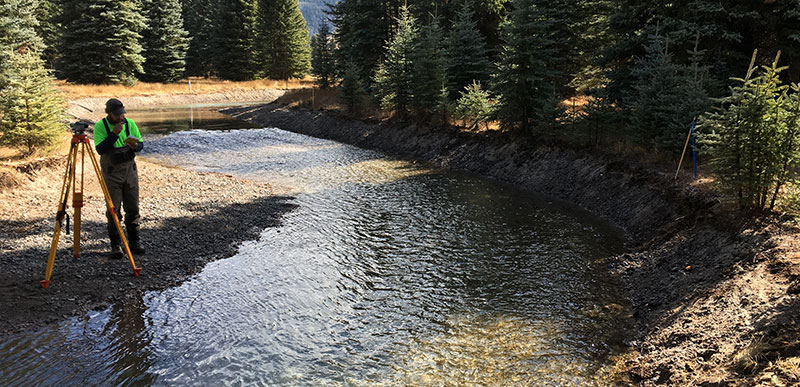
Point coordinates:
pixel 314 12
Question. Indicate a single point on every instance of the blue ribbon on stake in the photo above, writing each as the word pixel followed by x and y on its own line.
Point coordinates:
pixel 694 154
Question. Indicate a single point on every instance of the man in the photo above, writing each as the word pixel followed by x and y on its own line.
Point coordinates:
pixel 117 140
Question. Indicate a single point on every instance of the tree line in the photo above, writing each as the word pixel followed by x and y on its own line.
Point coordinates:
pixel 647 69
pixel 124 41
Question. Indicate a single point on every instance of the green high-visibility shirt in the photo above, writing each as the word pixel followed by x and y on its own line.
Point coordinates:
pixel 101 133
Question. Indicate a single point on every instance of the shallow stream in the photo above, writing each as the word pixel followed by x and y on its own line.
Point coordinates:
pixel 388 272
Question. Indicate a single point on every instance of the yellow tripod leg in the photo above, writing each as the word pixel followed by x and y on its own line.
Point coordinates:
pixel 110 205
pixel 51 257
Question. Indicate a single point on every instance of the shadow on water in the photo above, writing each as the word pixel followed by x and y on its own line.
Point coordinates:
pixel 381 272
pixel 177 248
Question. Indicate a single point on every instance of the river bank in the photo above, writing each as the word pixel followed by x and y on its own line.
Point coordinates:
pixel 188 220
pixel 715 294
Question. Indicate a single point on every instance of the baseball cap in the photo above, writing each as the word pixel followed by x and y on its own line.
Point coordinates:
pixel 115 106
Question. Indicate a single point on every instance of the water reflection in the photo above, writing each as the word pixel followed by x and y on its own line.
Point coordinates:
pixel 387 273
pixel 108 347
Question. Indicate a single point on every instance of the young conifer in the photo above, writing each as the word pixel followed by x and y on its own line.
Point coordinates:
pixel 351 89
pixel 283 41
pixel 31 110
pixel 753 138
pixel 527 72
pixel 667 98
pixel 323 64
pixel 164 41
pixel 429 87
pixel 100 41
pixel 393 79
pixel 467 59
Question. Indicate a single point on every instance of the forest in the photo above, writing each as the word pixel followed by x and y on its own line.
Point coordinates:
pixel 589 72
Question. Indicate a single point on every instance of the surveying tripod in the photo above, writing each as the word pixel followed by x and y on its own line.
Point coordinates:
pixel 80 140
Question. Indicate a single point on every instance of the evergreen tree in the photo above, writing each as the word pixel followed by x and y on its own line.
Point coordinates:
pixel 393 79
pixel 429 86
pixel 351 89
pixel 361 29
pixel 100 41
pixel 31 110
pixel 234 53
pixel 474 106
pixel 48 13
pixel 164 41
pixel 200 17
pixel 667 98
pixel 283 39
pixel 467 59
pixel 753 138
pixel 18 25
pixel 527 72
pixel 323 65
pixel 730 30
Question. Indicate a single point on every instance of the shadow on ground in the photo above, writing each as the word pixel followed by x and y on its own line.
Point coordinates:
pixel 177 249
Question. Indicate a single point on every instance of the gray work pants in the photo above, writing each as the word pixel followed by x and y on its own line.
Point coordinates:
pixel 122 181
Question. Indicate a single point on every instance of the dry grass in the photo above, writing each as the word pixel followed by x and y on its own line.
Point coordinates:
pixel 194 85
pixel 312 98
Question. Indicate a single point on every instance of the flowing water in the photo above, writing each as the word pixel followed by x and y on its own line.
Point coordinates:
pixel 389 272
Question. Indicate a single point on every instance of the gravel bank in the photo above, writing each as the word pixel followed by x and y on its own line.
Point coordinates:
pixel 188 220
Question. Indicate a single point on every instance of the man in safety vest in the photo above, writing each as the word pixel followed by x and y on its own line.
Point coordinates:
pixel 117 140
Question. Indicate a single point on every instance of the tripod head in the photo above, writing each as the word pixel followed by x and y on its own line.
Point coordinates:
pixel 79 128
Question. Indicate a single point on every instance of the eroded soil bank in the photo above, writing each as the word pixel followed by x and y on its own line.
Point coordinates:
pixel 716 296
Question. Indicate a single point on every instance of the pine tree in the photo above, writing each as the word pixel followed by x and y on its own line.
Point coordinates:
pixel 527 72
pixel 429 86
pixel 467 59
pixel 283 39
pixel 474 106
pixel 100 42
pixel 234 49
pixel 200 17
pixel 668 97
pixel 393 79
pixel 323 64
pixel 31 110
pixel 361 29
pixel 753 137
pixel 49 13
pixel 164 41
pixel 351 89
pixel 18 25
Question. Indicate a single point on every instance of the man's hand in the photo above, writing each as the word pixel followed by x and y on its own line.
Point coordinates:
pixel 118 127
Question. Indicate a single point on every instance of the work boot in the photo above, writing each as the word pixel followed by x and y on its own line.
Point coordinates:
pixel 116 252
pixel 133 240
pixel 116 249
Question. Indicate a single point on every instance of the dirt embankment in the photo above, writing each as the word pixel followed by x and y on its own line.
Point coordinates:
pixel 716 297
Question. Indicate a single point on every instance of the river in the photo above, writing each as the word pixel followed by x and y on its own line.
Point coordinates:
pixel 389 272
